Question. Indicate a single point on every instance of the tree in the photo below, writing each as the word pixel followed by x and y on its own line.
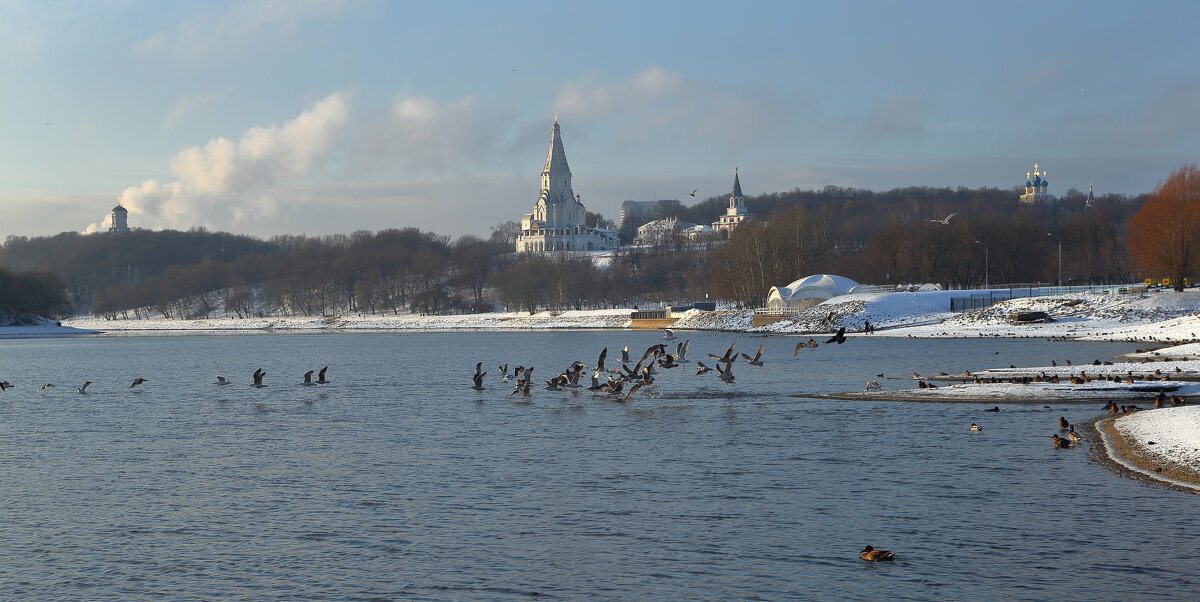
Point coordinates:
pixel 1164 237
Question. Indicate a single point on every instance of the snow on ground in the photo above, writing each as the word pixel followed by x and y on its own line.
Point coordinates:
pixel 883 310
pixel 603 318
pixel 1187 351
pixel 1175 433
pixel 1040 392
pixel 695 319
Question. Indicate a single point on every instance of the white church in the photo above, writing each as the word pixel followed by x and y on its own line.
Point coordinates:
pixel 558 221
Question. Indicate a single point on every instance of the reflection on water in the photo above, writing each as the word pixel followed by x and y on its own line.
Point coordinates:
pixel 399 481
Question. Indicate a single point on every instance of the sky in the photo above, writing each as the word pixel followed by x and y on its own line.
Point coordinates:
pixel 331 116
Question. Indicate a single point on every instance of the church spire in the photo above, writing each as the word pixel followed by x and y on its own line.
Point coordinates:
pixel 556 175
pixel 737 184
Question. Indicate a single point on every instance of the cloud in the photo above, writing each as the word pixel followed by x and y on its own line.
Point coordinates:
pixel 185 105
pixel 242 24
pixel 897 116
pixel 418 134
pixel 227 177
pixel 590 96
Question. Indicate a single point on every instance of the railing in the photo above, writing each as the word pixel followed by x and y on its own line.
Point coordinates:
pixel 649 314
pixel 997 294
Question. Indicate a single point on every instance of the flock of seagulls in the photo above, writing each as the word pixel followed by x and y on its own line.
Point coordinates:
pixel 257 381
pixel 621 382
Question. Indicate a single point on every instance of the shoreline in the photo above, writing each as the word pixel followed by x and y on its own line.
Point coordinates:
pixel 1128 458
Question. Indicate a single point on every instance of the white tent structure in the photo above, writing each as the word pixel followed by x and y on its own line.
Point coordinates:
pixel 809 291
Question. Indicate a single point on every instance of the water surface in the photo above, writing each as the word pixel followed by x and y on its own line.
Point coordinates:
pixel 399 482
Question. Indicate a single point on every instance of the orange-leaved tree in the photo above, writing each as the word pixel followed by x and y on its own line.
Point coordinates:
pixel 1164 237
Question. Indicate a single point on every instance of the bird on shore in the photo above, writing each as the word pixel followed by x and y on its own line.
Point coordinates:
pixel 221 380
pixel 83 389
pixel 976 427
pixel 258 379
pixel 757 359
pixel 870 554
pixel 838 338
pixel 321 376
pixel 873 385
pixel 308 382
pixel 809 344
pixel 478 378
pixel 945 220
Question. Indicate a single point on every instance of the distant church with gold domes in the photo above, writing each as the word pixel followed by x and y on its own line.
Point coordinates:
pixel 1035 187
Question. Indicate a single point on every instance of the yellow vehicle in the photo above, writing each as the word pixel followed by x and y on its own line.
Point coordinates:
pixel 1165 282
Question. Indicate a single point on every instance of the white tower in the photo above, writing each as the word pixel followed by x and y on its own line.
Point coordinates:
pixel 120 219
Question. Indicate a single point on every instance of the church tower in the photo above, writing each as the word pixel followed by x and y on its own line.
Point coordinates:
pixel 736 213
pixel 1035 186
pixel 558 220
pixel 120 219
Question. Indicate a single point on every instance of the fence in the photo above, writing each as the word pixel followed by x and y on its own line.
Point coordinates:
pixel 1014 291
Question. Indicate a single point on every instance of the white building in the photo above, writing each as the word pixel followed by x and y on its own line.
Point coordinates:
pixel 662 231
pixel 1035 187
pixel 809 291
pixel 736 213
pixel 558 221
pixel 120 219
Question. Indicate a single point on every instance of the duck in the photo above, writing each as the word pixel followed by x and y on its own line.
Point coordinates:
pixel 1073 436
pixel 976 427
pixel 1060 442
pixel 1063 423
pixel 870 554
pixel 993 409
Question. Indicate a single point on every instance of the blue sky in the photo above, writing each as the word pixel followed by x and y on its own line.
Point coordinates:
pixel 286 117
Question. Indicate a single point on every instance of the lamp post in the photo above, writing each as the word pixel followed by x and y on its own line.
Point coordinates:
pixel 1059 255
pixel 986 282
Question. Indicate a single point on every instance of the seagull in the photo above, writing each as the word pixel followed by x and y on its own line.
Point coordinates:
pixel 873 385
pixel 669 336
pixel 692 193
pixel 600 360
pixel 478 378
pixel 625 354
pixel 757 359
pixel 729 354
pixel 681 352
pixel 630 392
pixel 702 368
pixel 838 338
pixel 308 379
pixel 727 372
pixel 221 380
pixel 504 372
pixel 83 389
pixel 45 386
pixel 258 379
pixel 810 344
pixel 943 221
pixel 321 376
pixel 5 385
pixel 136 382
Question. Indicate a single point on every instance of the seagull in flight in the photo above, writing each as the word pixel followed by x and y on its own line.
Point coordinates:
pixel 321 376
pixel 478 378
pixel 943 221
pixel 838 338
pixel 258 378
pixel 83 389
pixel 221 380
pixel 308 379
pixel 46 386
pixel 809 344
pixel 693 192
pixel 136 382
pixel 5 385
pixel 669 336
pixel 757 359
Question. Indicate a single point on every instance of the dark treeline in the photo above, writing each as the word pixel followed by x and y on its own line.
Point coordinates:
pixel 872 237
pixel 32 292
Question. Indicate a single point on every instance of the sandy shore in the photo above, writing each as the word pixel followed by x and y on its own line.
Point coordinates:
pixel 1127 457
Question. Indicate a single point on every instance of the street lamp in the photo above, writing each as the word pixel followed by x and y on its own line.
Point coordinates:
pixel 986 282
pixel 1059 255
